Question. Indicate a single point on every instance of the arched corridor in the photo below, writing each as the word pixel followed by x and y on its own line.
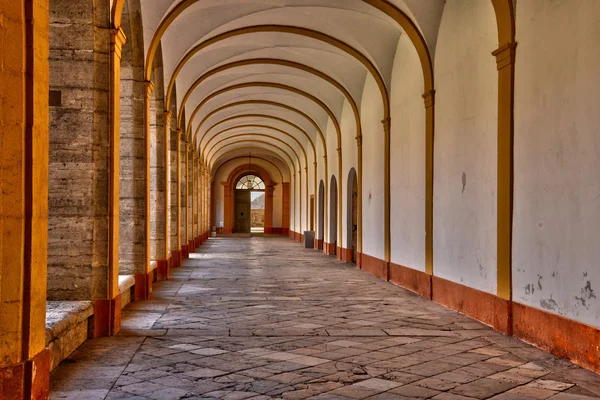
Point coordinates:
pixel 428 159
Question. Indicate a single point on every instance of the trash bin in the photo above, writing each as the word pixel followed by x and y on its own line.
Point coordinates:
pixel 309 239
pixel 213 231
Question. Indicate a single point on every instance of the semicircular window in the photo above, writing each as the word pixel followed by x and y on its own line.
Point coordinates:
pixel 250 182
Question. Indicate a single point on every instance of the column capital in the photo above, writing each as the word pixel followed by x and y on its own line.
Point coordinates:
pixel 387 122
pixel 117 40
pixel 429 98
pixel 339 150
pixel 358 140
pixel 149 86
pixel 505 55
pixel 168 114
pixel 314 163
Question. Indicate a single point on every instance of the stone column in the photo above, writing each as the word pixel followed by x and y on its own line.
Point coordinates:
pixel 359 201
pixel 505 61
pixel 167 200
pixel 429 99
pixel 387 237
pixel 194 191
pixel 24 361
pixel 112 306
pixel 143 281
pixel 183 196
pixel 285 205
pixel 84 57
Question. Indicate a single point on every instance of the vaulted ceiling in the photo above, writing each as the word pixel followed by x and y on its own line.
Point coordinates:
pixel 254 69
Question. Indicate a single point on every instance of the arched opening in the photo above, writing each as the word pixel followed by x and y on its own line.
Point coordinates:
pixel 249 205
pixel 352 216
pixel 333 204
pixel 320 217
pixel 238 189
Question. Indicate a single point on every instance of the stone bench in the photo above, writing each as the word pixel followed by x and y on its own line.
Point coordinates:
pixel 126 289
pixel 66 327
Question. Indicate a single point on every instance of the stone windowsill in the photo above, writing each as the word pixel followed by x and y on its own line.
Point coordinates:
pixel 61 316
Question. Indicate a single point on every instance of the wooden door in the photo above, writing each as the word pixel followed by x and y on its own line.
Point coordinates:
pixel 242 211
pixel 354 220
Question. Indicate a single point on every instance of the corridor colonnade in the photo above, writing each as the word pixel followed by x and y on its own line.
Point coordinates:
pixel 156 110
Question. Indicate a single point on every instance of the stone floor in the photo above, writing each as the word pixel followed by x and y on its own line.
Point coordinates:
pixel 261 317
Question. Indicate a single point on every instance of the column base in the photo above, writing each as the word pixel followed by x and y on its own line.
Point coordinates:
pixel 176 256
pixel 162 270
pixel 345 254
pixel 191 247
pixel 28 380
pixel 318 244
pixel 107 317
pixel 329 248
pixel 184 252
pixel 143 286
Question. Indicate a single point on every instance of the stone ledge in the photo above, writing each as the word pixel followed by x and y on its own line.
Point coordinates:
pixel 66 327
pixel 126 284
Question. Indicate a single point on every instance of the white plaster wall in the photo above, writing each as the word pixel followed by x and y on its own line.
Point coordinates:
pixel 557 158
pixel 408 158
pixel 332 167
pixel 371 112
pixel 465 149
pixel 349 161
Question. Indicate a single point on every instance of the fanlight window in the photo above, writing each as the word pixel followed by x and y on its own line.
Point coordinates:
pixel 251 182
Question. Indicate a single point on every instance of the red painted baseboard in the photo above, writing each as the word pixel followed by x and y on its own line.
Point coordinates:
pixel 329 248
pixel 26 380
pixel 558 335
pixel 485 307
pixel 143 286
pixel 318 244
pixel 411 279
pixel 563 337
pixel 375 266
pixel 107 317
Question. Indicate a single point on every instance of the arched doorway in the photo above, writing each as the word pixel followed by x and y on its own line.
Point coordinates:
pixel 233 205
pixel 333 205
pixel 352 216
pixel 249 205
pixel 320 217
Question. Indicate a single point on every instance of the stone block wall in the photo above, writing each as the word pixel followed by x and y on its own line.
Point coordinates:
pixel 78 149
pixel 133 147
pixel 173 178
pixel 157 167
pixel 183 191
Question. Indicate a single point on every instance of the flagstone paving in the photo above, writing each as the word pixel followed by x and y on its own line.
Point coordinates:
pixel 261 317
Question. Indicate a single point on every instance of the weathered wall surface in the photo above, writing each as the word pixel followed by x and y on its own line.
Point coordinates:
pixel 133 147
pixel 373 144
pixel 407 164
pixel 157 164
pixel 465 150
pixel 349 161
pixel 79 148
pixel 557 158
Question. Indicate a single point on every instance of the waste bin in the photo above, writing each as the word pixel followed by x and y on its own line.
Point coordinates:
pixel 309 239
